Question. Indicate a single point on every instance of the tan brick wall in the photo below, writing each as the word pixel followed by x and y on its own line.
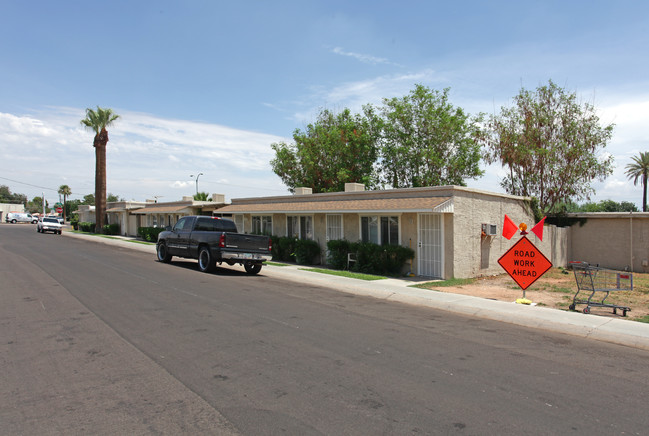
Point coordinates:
pixel 351 227
pixel 449 249
pixel 555 245
pixel 409 237
pixel 408 223
pixel 616 243
pixel 474 255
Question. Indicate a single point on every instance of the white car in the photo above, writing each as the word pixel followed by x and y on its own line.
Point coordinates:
pixel 49 224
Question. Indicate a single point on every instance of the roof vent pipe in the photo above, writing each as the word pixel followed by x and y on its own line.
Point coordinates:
pixel 303 191
pixel 354 187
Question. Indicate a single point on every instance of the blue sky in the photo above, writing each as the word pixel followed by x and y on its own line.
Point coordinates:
pixel 207 86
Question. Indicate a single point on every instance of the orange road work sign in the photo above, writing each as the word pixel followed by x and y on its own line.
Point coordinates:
pixel 524 263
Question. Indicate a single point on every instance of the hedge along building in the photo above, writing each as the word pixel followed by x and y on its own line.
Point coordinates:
pixel 454 231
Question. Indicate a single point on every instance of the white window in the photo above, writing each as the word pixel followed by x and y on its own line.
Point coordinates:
pixel 262 225
pixel 300 227
pixel 382 230
pixel 334 227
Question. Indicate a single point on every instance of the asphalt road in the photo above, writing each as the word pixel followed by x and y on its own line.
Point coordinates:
pixel 96 339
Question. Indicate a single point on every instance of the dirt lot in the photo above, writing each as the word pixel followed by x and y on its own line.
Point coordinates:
pixel 555 289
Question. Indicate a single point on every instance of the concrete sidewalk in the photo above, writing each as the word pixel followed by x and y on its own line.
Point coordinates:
pixel 619 331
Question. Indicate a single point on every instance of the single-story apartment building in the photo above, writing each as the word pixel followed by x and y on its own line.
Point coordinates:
pixel 454 231
pixel 131 215
pixel 86 213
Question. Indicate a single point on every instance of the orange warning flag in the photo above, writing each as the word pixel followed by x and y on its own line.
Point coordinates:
pixel 538 229
pixel 509 228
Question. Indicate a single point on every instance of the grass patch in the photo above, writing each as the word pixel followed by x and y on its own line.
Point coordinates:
pixel 137 241
pixel 134 241
pixel 445 283
pixel 642 319
pixel 559 289
pixel 276 264
pixel 348 274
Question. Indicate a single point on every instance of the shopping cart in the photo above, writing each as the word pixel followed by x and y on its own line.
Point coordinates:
pixel 594 279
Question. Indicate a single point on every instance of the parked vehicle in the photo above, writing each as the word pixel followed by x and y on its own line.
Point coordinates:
pixel 20 217
pixel 213 240
pixel 49 224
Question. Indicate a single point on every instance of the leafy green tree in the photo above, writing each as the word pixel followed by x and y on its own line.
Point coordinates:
pixel 639 170
pixel 98 121
pixel 111 198
pixel 551 146
pixel 70 207
pixel 608 206
pixel 36 205
pixel 202 196
pixel 426 141
pixel 334 150
pixel 65 191
pixel 7 197
pixel 89 199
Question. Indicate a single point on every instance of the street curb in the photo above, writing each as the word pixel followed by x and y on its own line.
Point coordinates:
pixel 617 331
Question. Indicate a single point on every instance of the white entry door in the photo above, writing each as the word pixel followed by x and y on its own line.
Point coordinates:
pixel 430 245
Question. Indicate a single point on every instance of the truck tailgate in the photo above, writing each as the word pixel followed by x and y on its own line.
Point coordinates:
pixel 244 242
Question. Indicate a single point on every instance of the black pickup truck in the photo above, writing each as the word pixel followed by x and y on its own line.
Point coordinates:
pixel 212 240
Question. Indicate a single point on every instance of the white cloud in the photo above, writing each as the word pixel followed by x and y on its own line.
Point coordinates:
pixel 366 59
pixel 354 95
pixel 147 156
pixel 180 184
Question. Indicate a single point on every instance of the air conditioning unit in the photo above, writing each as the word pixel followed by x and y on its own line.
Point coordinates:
pixel 489 229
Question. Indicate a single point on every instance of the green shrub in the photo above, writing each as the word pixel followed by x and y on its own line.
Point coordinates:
pixel 275 250
pixel 370 258
pixel 284 248
pixel 85 226
pixel 337 250
pixel 150 233
pixel 306 251
pixel 395 257
pixel 112 229
pixel 74 221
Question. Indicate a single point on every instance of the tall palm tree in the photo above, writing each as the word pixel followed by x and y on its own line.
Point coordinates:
pixel 64 190
pixel 97 121
pixel 639 169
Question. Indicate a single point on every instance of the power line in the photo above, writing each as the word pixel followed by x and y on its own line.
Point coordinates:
pixel 244 187
pixel 83 195
pixel 36 186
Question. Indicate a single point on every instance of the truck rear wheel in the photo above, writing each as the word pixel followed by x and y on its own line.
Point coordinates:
pixel 206 262
pixel 252 268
